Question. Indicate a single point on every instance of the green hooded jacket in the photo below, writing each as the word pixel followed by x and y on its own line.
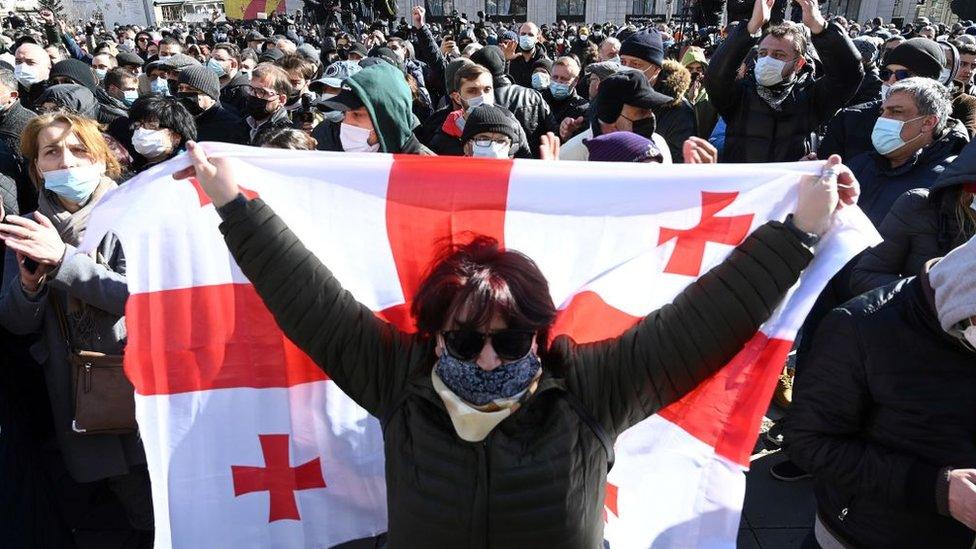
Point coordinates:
pixel 384 91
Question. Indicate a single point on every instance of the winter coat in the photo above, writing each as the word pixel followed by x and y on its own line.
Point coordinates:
pixel 538 478
pixel 885 402
pixel 757 132
pixel 881 185
pixel 109 108
pixel 447 139
pixel 103 289
pixel 428 52
pixel 849 132
pixel 520 70
pixel 529 108
pixel 220 124
pixel 870 89
pixel 573 106
pixel 233 94
pixel 923 224
pixel 964 110
pixel 12 124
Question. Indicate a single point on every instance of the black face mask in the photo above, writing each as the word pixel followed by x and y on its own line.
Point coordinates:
pixel 174 85
pixel 292 99
pixel 190 101
pixel 256 107
pixel 645 127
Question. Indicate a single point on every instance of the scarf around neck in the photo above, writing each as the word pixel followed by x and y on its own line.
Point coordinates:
pixel 71 226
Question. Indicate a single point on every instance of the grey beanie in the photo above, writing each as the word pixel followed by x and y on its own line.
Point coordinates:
pixel 203 79
pixel 954 280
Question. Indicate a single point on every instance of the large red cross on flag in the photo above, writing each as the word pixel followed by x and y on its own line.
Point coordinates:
pixel 214 374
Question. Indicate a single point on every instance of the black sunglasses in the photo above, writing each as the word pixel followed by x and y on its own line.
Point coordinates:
pixel 900 74
pixel 509 344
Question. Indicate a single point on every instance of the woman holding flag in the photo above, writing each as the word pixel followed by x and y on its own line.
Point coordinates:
pixel 496 436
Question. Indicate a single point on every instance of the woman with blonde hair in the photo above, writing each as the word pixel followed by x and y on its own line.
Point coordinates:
pixel 64 297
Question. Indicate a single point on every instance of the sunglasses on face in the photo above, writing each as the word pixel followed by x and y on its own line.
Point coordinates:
pixel 509 344
pixel 900 74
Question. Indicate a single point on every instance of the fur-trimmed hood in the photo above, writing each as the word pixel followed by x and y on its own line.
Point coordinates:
pixel 673 81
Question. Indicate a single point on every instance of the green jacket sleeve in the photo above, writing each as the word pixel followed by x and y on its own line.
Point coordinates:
pixel 367 358
pixel 670 351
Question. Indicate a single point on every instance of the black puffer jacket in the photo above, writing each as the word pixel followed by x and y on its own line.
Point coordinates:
pixel 529 108
pixel 220 124
pixel 538 478
pixel 886 402
pixel 12 124
pixel 756 132
pixel 233 94
pixel 109 108
pixel 923 224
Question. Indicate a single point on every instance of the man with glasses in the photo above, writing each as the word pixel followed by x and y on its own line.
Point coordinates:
pixel 266 96
pixel 849 132
pixel 491 132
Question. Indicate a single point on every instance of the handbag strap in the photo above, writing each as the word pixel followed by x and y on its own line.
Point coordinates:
pixel 62 320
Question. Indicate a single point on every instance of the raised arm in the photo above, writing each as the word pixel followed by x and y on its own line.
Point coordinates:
pixel 366 357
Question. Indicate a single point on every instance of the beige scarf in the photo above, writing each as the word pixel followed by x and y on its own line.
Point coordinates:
pixel 473 423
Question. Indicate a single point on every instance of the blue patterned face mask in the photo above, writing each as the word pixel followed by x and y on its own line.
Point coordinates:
pixel 479 387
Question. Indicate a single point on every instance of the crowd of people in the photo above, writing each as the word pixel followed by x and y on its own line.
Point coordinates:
pixel 879 391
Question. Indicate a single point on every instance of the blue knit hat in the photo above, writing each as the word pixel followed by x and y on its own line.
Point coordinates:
pixel 646 45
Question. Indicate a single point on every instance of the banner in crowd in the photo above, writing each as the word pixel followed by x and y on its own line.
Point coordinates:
pixel 258 9
pixel 250 445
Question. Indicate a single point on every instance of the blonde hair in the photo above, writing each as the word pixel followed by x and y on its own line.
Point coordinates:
pixel 87 131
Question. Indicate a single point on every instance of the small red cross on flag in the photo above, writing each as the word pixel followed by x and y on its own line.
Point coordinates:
pixel 610 502
pixel 278 477
pixel 689 250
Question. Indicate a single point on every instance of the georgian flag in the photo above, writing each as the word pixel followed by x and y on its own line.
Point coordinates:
pixel 251 445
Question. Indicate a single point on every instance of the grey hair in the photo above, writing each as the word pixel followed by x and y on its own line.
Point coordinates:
pixel 7 79
pixel 931 98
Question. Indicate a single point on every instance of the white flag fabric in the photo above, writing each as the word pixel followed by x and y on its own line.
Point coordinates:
pixel 251 445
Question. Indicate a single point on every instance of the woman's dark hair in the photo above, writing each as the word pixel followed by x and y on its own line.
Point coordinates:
pixel 170 114
pixel 285 138
pixel 488 280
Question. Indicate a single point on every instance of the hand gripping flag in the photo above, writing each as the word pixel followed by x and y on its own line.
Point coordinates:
pixel 251 445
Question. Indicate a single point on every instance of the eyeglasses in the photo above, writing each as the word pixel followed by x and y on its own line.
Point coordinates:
pixel 509 344
pixel 900 74
pixel 486 142
pixel 263 93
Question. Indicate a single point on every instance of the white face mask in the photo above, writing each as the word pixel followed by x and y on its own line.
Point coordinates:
pixel 164 57
pixel 26 74
pixel 151 143
pixel 477 101
pixel 493 150
pixel 769 71
pixel 356 139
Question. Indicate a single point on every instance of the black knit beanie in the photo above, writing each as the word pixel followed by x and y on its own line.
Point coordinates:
pixel 491 58
pixel 920 55
pixel 646 45
pixel 491 118
pixel 78 71
pixel 203 79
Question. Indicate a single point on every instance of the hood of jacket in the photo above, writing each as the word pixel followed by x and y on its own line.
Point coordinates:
pixel 73 97
pixel 673 81
pixel 107 102
pixel 961 171
pixel 384 91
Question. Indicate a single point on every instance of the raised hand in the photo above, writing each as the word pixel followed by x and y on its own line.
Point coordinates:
pixel 418 15
pixel 962 496
pixel 699 151
pixel 549 147
pixel 510 49
pixel 762 10
pixel 34 238
pixel 821 196
pixel 569 126
pixel 812 17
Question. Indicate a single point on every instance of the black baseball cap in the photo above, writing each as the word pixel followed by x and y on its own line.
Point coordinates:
pixel 627 87
pixel 347 100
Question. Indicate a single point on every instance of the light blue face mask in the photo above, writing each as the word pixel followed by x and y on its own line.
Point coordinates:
pixel 559 90
pixel 540 81
pixel 74 184
pixel 160 86
pixel 886 136
pixel 335 116
pixel 527 42
pixel 213 65
pixel 129 97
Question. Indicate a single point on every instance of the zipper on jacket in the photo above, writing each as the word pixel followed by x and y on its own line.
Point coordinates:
pixel 88 369
pixel 487 469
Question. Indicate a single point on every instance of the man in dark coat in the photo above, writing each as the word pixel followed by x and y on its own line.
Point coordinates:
pixel 13 116
pixel 530 51
pixel 32 69
pixel 883 415
pixel 849 132
pixel 770 116
pixel 225 62
pixel 870 89
pixel 526 104
pixel 199 91
pixel 561 95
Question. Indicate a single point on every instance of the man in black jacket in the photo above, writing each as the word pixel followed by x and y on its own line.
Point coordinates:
pixel 225 62
pixel 526 104
pixel 199 91
pixel 884 418
pixel 530 52
pixel 770 116
pixel 13 116
pixel 561 94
